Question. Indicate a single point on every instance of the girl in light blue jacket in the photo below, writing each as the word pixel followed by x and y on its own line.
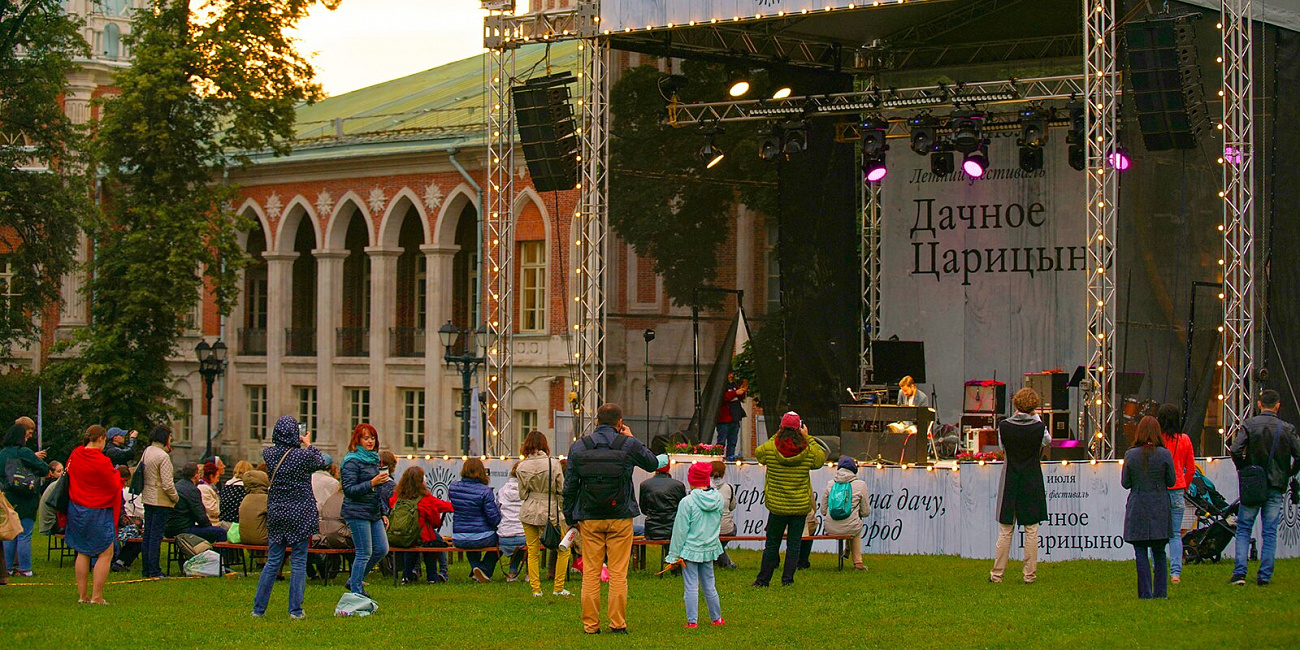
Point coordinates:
pixel 695 543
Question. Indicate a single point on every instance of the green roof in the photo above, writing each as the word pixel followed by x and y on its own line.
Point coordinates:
pixel 434 109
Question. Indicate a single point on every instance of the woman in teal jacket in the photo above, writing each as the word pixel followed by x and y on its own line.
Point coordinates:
pixel 18 553
pixel 695 543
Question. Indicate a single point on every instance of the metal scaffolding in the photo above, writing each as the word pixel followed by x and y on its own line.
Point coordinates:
pixel 1238 217
pixel 1101 193
pixel 497 280
pixel 869 256
pixel 592 226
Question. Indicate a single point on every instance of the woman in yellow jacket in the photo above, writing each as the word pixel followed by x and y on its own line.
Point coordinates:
pixel 789 456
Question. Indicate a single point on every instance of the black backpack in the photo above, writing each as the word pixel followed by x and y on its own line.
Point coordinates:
pixel 606 487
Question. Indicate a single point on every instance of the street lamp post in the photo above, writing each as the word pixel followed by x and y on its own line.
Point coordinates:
pixel 212 364
pixel 466 363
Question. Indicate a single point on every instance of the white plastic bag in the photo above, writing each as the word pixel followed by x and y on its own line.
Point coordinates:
pixel 206 564
pixel 355 605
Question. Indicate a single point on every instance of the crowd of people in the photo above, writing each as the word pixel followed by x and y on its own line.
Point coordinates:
pixel 111 509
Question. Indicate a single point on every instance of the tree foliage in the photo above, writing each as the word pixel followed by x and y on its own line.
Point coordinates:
pixel 209 84
pixel 43 192
pixel 663 201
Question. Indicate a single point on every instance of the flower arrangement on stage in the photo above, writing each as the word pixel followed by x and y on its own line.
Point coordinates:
pixel 698 449
pixel 977 456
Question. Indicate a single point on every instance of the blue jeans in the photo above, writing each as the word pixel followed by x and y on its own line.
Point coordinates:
pixel 371 543
pixel 1246 524
pixel 509 546
pixel 155 524
pixel 297 577
pixel 1176 506
pixel 694 576
pixel 19 551
pixel 729 434
pixel 487 562
pixel 1147 570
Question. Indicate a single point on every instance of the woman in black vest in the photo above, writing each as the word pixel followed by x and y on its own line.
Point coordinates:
pixel 1148 475
pixel 1022 497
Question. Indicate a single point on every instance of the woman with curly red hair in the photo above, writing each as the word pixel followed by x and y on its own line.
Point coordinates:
pixel 364 508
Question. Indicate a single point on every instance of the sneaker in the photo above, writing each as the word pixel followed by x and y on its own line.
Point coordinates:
pixel 481 577
pixel 595 631
pixel 719 623
pixel 758 583
pixel 25 574
pixel 297 617
pixel 256 615
pixel 1238 580
pixel 512 576
pixel 537 594
pixel 1262 583
pixel 437 579
pixel 618 630
pixel 1175 579
pixel 562 592
pixel 859 567
pixel 691 626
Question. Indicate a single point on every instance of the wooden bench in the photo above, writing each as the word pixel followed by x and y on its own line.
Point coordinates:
pixel 245 552
pixel 640 544
pixel 60 545
pixel 397 569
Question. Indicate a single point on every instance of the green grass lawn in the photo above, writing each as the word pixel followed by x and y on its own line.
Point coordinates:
pixel 902 601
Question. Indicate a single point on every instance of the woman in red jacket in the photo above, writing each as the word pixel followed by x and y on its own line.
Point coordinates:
pixel 431 509
pixel 1180 445
pixel 94 507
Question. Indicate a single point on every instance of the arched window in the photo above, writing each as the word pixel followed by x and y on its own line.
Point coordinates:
pixel 115 7
pixel 112 41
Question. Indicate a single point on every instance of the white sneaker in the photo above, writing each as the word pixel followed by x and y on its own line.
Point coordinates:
pixel 562 592
pixel 537 594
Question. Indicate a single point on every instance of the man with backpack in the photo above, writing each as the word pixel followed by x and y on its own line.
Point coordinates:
pixel 1267 455
pixel 598 500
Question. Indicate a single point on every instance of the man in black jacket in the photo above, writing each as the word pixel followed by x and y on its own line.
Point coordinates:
pixel 1270 443
pixel 189 516
pixel 598 500
pixel 660 495
pixel 121 446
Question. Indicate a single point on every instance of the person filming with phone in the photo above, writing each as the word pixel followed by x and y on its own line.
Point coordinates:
pixel 364 509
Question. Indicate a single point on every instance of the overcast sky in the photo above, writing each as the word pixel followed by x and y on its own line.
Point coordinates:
pixel 364 42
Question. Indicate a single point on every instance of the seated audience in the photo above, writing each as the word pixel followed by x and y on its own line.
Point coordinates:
pixel 189 515
pixel 208 490
pixel 430 509
pixel 252 508
pixel 660 495
pixel 510 532
pixel 477 516
pixel 232 494
pixel 130 527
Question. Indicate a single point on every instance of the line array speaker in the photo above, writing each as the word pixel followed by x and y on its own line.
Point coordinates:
pixel 544 118
pixel 1165 76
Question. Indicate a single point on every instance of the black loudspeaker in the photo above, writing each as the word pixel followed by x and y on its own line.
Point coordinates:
pixel 544 118
pixel 1052 388
pixel 1165 77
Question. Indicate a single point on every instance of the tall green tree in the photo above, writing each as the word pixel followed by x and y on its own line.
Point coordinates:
pixel 211 82
pixel 43 191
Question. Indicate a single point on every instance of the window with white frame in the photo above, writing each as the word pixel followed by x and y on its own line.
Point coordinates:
pixel 307 407
pixel 772 261
pixel 192 320
pixel 532 282
pixel 527 421
pixel 183 425
pixel 257 412
pixel 7 290
pixel 358 407
pixel 413 418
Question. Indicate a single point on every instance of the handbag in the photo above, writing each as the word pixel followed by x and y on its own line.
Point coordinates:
pixel 1253 479
pixel 10 525
pixel 551 534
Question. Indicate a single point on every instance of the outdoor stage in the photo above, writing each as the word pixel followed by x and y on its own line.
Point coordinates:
pixel 921 511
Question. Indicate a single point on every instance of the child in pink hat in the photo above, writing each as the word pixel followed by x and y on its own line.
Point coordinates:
pixel 695 543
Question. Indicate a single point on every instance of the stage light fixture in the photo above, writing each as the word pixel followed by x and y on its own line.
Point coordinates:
pixel 710 154
pixel 1119 160
pixel 782 92
pixel 737 82
pixel 670 84
pixel 770 148
pixel 941 163
pixel 873 131
pixel 1031 158
pixel 923 133
pixel 976 162
pixel 1033 127
pixel 795 140
pixel 873 167
pixel 967 130
pixel 1078 158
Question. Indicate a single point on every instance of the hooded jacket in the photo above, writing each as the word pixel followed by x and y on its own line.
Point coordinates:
pixel 541 479
pixel 786 486
pixel 291 514
pixel 361 500
pixel 695 528
pixel 509 503
pixel 728 493
pixel 660 496
pixel 252 508
pixel 476 509
pixel 860 507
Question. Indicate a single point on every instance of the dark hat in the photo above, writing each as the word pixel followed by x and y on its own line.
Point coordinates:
pixel 847 462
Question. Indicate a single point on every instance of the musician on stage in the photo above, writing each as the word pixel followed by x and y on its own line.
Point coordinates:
pixel 908 395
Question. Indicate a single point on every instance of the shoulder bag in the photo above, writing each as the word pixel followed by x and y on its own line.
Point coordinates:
pixel 1253 479
pixel 551 534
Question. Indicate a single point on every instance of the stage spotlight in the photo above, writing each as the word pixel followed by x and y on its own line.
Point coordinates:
pixel 771 147
pixel 795 137
pixel 737 82
pixel 976 162
pixel 1077 156
pixel 781 92
pixel 923 133
pixel 941 163
pixel 1033 127
pixel 967 130
pixel 1031 158
pixel 670 84
pixel 873 131
pixel 873 167
pixel 710 154
pixel 1119 160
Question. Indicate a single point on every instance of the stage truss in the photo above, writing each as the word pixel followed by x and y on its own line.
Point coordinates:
pixel 499 246
pixel 1099 87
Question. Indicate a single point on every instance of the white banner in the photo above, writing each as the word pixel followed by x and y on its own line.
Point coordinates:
pixel 988 272
pixel 618 15
pixel 945 512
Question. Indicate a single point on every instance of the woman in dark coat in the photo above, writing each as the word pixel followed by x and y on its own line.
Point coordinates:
pixel 1022 497
pixel 291 517
pixel 18 552
pixel 477 517
pixel 365 503
pixel 1148 475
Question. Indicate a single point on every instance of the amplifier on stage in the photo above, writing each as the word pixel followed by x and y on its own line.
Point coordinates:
pixel 1052 388
pixel 985 396
pixel 981 420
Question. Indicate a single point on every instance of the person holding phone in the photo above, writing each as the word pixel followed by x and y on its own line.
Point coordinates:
pixel 364 508
pixel 25 498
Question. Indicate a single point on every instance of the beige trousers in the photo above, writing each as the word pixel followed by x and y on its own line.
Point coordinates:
pixel 605 542
pixel 1004 550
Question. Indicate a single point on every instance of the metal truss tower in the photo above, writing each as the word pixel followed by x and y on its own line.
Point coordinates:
pixel 496 279
pixel 591 223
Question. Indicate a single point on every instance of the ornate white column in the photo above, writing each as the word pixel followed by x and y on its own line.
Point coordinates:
pixel 383 299
pixel 279 274
pixel 437 389
pixel 329 283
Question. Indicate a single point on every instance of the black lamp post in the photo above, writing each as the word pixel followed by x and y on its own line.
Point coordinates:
pixel 467 363
pixel 212 364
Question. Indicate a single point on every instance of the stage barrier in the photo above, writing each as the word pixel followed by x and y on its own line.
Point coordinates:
pixel 944 511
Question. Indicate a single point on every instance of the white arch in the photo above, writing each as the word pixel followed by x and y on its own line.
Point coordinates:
pixel 336 233
pixel 449 217
pixel 258 215
pixel 390 229
pixel 529 194
pixel 290 220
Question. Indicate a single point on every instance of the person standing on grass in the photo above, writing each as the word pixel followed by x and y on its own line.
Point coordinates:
pixel 1148 475
pixel 1180 447
pixel 1022 495
pixel 25 499
pixel 599 501
pixel 365 508
pixel 695 544
pixel 477 518
pixel 121 446
pixel 1270 444
pixel 845 504
pixel 291 517
pixel 541 487
pixel 159 496
pixel 94 505
pixel 718 480
pixel 789 457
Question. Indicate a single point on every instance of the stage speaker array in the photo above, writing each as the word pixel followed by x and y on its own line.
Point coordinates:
pixel 544 118
pixel 1165 76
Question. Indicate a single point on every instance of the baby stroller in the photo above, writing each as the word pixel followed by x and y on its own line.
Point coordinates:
pixel 1216 522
